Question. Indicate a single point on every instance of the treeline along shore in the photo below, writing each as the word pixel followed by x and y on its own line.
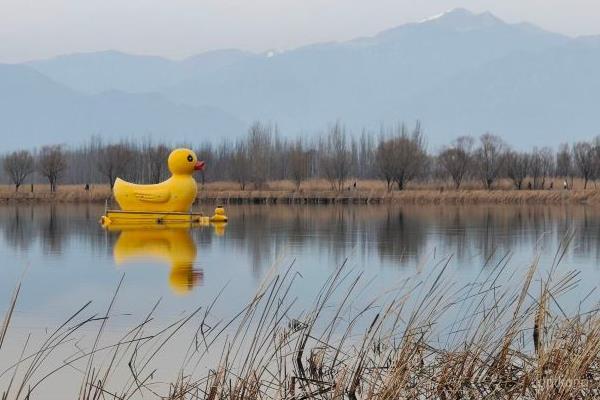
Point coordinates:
pixel 390 166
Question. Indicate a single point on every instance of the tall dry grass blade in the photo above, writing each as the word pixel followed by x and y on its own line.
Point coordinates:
pixel 16 369
pixel 540 317
pixel 90 362
pixel 8 315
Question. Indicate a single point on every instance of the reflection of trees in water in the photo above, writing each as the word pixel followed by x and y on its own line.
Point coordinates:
pixel 488 236
pixel 52 232
pixel 395 233
pixel 586 233
pixel 53 225
pixel 487 231
pixel 333 232
pixel 250 230
pixel 455 230
pixel 534 228
pixel 265 232
pixel 17 228
pixel 400 235
pixel 494 231
pixel 336 230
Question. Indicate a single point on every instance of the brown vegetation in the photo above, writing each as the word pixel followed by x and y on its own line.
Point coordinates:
pixel 428 337
pixel 64 193
pixel 319 191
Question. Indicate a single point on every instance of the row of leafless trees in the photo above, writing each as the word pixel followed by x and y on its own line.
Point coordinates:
pixel 51 164
pixel 396 155
pixel 493 159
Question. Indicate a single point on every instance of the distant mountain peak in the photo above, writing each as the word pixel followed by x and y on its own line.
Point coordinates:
pixel 463 19
pixel 454 11
pixel 455 20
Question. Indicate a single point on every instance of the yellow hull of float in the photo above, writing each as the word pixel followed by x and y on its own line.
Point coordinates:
pixel 119 219
pixel 114 218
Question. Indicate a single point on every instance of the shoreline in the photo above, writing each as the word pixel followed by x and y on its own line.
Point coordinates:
pixel 102 194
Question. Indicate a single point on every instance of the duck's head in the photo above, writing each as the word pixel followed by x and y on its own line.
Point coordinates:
pixel 184 162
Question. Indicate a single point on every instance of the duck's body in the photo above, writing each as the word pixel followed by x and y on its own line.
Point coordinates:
pixel 176 194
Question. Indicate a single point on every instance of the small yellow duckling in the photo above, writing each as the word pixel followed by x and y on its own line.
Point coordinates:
pixel 176 194
pixel 219 215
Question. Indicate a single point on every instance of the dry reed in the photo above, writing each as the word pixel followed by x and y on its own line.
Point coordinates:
pixel 370 191
pixel 427 337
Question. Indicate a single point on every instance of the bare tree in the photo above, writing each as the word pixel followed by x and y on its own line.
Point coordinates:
pixel 18 165
pixel 240 165
pixel 113 160
pixel 517 167
pixel 456 160
pixel 564 163
pixel 385 161
pixel 206 154
pixel 52 164
pixel 540 164
pixel 259 143
pixel 278 157
pixel 298 163
pixel 490 158
pixel 405 155
pixel 157 162
pixel 584 158
pixel 335 157
pixel 366 155
pixel 547 156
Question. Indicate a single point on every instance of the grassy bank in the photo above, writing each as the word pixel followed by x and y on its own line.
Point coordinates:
pixel 64 193
pixel 504 336
pixel 320 192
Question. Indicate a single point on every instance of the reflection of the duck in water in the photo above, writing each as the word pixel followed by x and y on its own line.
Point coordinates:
pixel 171 245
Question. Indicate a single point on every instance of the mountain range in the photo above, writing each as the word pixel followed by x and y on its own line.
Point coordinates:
pixel 459 73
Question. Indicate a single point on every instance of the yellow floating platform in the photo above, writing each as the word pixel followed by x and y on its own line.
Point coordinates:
pixel 120 218
pixel 117 217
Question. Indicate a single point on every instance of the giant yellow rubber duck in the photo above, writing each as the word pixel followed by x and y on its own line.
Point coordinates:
pixel 176 194
pixel 172 246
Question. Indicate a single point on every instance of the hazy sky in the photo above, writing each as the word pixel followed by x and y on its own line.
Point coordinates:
pixel 32 29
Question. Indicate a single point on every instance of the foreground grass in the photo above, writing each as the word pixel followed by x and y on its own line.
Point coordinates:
pixel 503 336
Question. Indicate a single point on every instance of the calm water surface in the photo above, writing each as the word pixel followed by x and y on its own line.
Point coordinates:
pixel 65 259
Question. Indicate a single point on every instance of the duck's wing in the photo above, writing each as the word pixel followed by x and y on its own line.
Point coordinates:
pixel 152 195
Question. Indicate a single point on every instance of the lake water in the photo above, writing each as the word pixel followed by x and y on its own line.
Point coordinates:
pixel 65 259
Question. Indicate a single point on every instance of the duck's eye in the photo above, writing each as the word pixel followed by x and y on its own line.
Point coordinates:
pixel 190 158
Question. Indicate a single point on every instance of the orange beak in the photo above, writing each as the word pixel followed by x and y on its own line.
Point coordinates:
pixel 199 166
